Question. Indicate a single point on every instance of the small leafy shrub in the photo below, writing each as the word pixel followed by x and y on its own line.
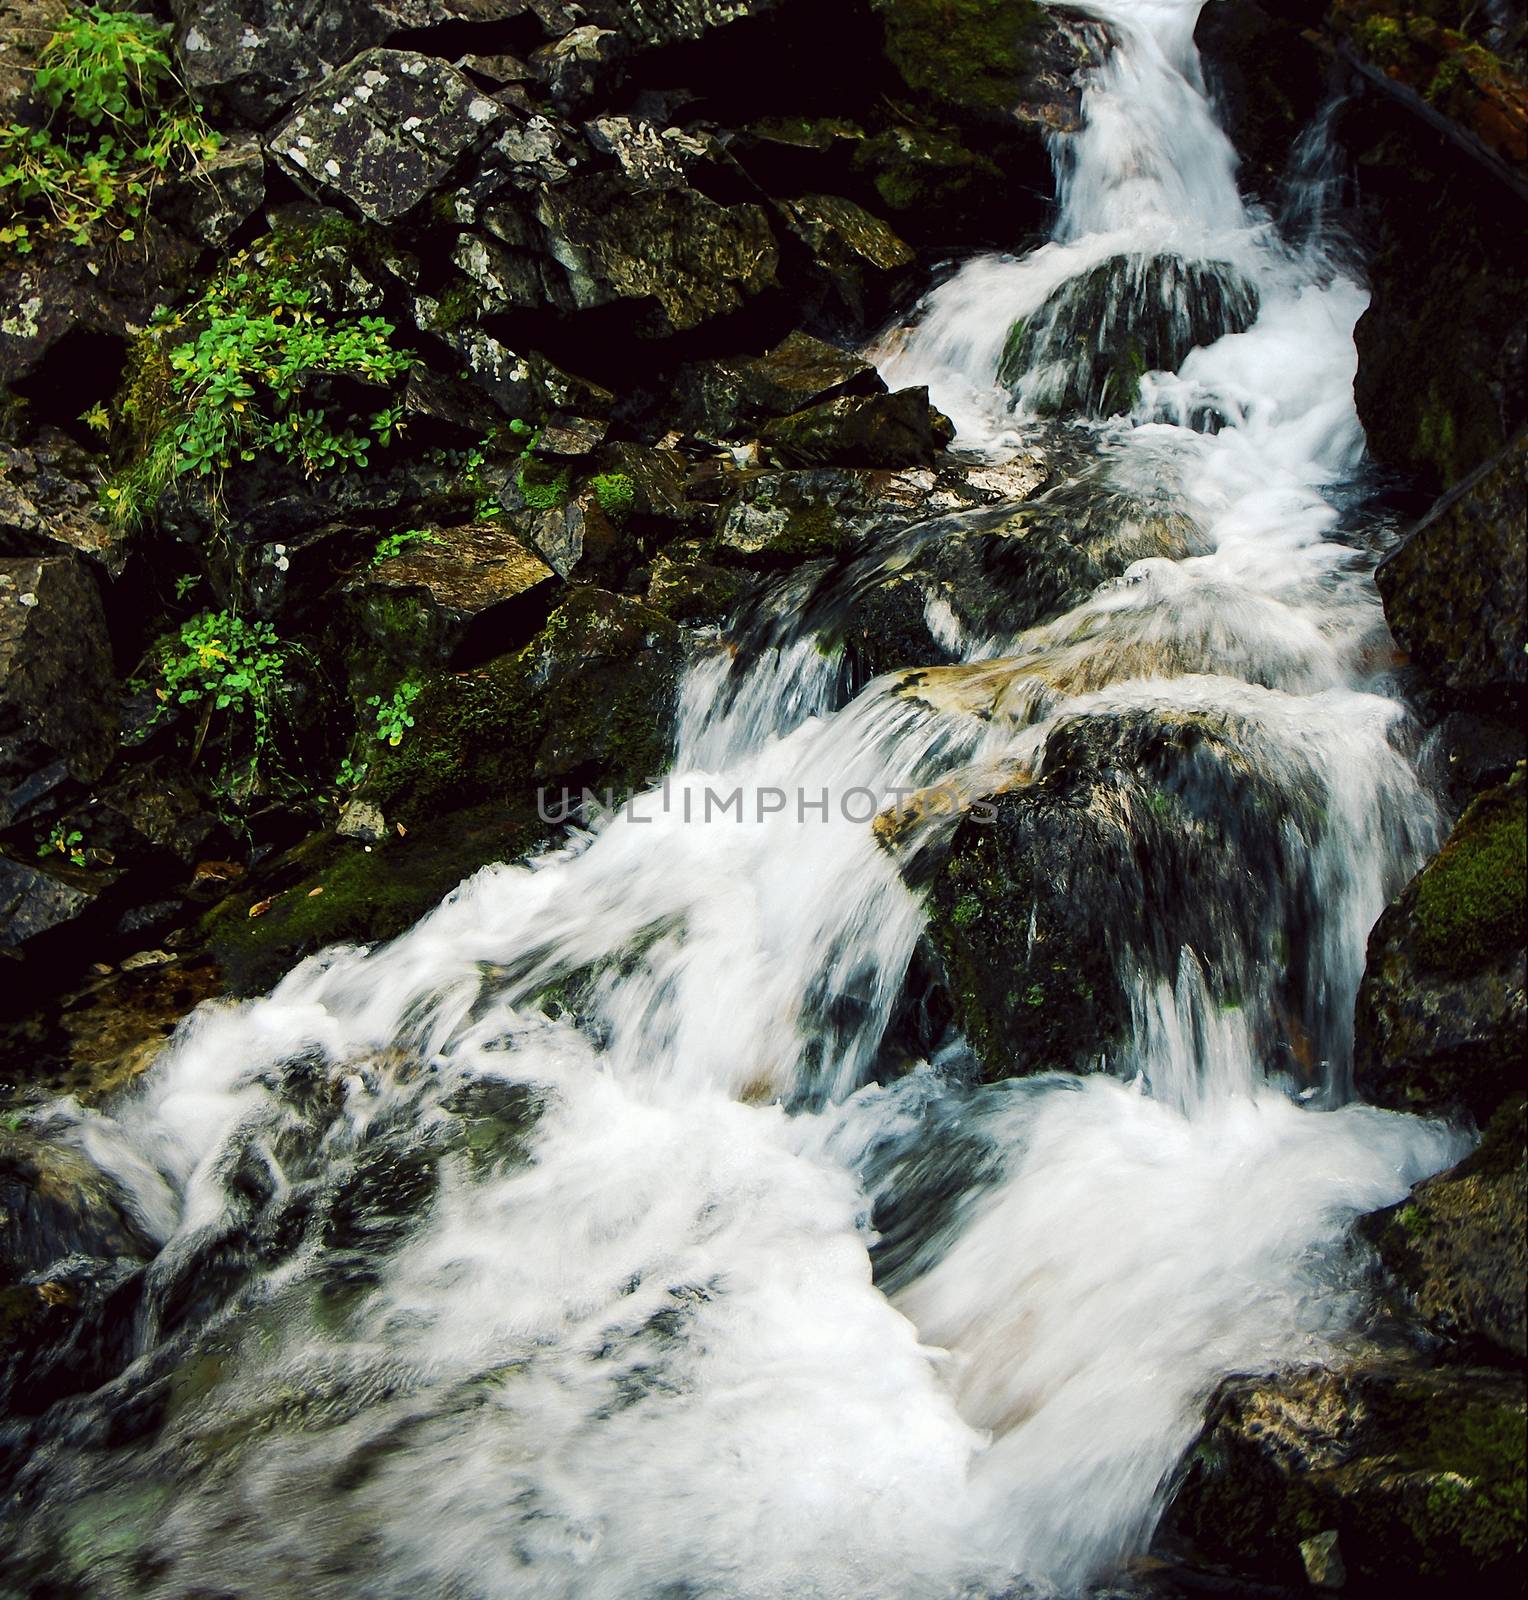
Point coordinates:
pixel 119 122
pixel 394 718
pixel 394 544
pixel 67 842
pixel 232 372
pixel 234 678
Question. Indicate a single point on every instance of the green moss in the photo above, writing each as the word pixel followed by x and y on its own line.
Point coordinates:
pixel 1478 1507
pixel 970 54
pixel 1470 901
pixel 616 493
pixel 1437 436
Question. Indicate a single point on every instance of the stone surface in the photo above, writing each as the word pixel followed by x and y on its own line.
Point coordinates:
pixel 35 898
pixel 1453 590
pixel 386 132
pixel 56 684
pixel 1457 1248
pixel 472 587
pixel 1442 1011
pixel 883 430
pixel 1419 1474
pixel 50 503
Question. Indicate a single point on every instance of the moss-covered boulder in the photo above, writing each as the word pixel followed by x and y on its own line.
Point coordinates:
pixel 1145 832
pixel 1457 1247
pixel 975 56
pixel 1418 1472
pixel 1442 1011
pixel 1088 347
pixel 1453 591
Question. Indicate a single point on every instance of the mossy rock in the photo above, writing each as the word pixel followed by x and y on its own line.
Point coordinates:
pixel 1419 1472
pixel 1146 832
pixel 1443 1006
pixel 1088 347
pixel 1456 1248
pixel 972 55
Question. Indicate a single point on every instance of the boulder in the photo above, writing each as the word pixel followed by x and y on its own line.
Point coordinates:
pixel 1146 831
pixel 1087 348
pixel 385 133
pixel 222 194
pixel 860 267
pixel 1418 1472
pixel 57 690
pixel 36 898
pixel 674 257
pixel 651 23
pixel 881 430
pixel 1457 1247
pixel 1453 591
pixel 477 589
pixel 1442 1011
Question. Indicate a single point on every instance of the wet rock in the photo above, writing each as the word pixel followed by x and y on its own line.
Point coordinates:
pixel 583 67
pixel 56 682
pixel 1418 1473
pixel 932 184
pixel 1444 252
pixel 50 503
pixel 386 132
pixel 363 820
pixel 726 399
pixel 860 263
pixel 473 589
pixel 1443 1007
pixel 54 1203
pixel 576 535
pixel 1453 591
pixel 1140 314
pixel 1146 831
pixel 1457 1247
pixel 884 430
pixel 36 899
pixel 675 257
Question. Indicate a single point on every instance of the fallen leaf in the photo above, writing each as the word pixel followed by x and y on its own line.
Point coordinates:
pixel 260 907
pixel 318 890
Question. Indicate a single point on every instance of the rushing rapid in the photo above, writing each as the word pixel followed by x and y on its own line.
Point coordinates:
pixel 575 1243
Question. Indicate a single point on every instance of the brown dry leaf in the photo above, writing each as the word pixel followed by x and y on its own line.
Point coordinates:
pixel 260 907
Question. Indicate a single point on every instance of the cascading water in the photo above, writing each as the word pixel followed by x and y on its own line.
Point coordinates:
pixel 531 1255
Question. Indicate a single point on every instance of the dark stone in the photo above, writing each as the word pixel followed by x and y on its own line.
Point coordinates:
pixel 1442 1012
pixel 36 899
pixel 860 267
pixel 56 682
pixel 468 590
pixel 1453 591
pixel 676 258
pixel 725 399
pixel 50 503
pixel 212 203
pixel 1457 1247
pixel 386 132
pixel 884 430
pixel 1419 1473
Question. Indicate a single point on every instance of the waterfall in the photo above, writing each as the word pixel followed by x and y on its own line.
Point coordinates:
pixel 567 1246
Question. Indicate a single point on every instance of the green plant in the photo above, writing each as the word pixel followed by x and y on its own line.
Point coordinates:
pixel 64 842
pixel 185 583
pixel 118 123
pixel 394 717
pixel 235 675
pixel 351 774
pixel 616 493
pixel 394 544
pixel 236 365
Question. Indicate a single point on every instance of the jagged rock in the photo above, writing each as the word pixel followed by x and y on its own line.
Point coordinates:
pixel 1453 591
pixel 1120 848
pixel 362 819
pixel 649 23
pixel 1443 1008
pixel 227 188
pixel 883 430
pixel 860 263
pixel 719 399
pixel 1457 1247
pixel 676 257
pixel 25 27
pixel 582 67
pixel 386 132
pixel 575 535
pixel 50 503
pixel 1139 313
pixel 258 56
pixel 35 899
pixel 452 403
pixel 56 684
pixel 1419 1474
pixel 478 588
pixel 151 806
